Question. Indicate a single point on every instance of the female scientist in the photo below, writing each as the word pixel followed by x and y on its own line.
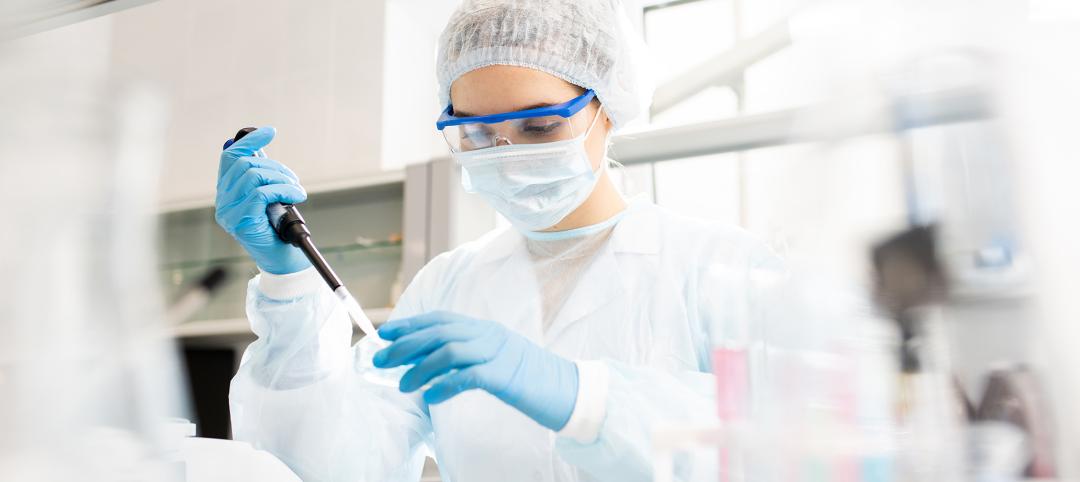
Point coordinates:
pixel 543 352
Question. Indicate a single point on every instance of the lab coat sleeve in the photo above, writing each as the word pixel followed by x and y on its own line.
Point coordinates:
pixel 300 395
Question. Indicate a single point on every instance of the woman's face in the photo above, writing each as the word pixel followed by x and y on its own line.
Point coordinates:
pixel 504 88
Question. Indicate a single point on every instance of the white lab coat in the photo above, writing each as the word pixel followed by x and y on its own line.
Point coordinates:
pixel 642 311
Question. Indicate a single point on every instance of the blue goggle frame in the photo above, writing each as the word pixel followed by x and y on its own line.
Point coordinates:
pixel 566 109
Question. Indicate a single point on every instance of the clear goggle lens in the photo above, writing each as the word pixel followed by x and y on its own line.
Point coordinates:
pixel 529 130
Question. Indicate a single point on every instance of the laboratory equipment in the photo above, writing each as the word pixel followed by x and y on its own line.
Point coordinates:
pixel 930 408
pixel 196 296
pixel 797 365
pixel 291 228
pixel 1014 396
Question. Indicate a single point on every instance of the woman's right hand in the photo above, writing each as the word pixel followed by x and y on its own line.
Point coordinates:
pixel 248 181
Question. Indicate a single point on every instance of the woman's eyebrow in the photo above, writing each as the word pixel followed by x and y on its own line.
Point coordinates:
pixel 458 113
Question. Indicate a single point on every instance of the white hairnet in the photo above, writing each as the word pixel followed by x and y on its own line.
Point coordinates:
pixel 589 43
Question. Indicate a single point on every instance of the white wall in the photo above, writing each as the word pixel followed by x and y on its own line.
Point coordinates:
pixel 410 86
pixel 1044 102
pixel 313 69
pixel 74 53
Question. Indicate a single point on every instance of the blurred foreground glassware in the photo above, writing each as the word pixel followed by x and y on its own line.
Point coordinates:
pixel 88 373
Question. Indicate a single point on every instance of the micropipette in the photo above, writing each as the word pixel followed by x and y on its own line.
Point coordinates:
pixel 291 228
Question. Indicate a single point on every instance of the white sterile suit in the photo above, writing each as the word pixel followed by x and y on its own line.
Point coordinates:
pixel 639 312
pixel 634 302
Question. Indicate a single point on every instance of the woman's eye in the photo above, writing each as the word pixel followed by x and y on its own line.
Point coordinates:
pixel 541 128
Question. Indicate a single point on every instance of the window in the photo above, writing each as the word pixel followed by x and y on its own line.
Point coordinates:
pixel 823 200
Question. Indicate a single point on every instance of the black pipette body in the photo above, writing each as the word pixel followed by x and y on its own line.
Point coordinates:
pixel 289 225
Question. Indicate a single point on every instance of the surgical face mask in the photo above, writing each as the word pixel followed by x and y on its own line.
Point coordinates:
pixel 533 185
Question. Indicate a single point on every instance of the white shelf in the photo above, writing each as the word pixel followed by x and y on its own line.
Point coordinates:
pixel 201 328
pixel 240 326
pixel 825 121
pixel 373 180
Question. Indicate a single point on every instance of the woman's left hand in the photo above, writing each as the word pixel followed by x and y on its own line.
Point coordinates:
pixel 480 354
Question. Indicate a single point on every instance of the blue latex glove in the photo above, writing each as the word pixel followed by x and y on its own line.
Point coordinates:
pixel 485 355
pixel 247 182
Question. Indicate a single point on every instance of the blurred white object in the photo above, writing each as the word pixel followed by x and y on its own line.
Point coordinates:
pixel 20 18
pixel 193 459
pixel 999 452
pixel 1041 105
pixel 215 460
pixel 87 371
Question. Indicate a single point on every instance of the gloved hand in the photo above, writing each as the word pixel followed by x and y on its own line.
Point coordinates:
pixel 247 182
pixel 487 356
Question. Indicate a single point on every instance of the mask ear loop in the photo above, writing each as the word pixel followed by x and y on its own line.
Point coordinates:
pixel 593 123
pixel 604 160
pixel 607 160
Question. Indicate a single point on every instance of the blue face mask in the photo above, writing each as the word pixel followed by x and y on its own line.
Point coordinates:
pixel 533 185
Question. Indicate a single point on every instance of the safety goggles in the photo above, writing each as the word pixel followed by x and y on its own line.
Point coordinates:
pixel 531 126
